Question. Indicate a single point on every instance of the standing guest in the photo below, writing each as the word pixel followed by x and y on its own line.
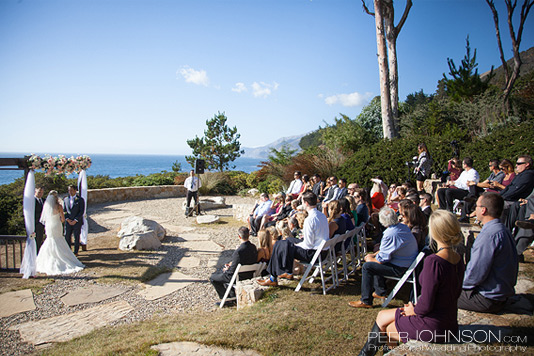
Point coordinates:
pixel 423 166
pixel 425 200
pixel 39 227
pixel 246 254
pixel 254 220
pixel 315 231
pixel 491 273
pixel 398 249
pixel 459 188
pixel 192 184
pixel 296 185
pixel 74 209
pixel 435 315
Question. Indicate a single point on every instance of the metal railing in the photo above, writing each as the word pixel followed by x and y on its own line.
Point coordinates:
pixel 9 252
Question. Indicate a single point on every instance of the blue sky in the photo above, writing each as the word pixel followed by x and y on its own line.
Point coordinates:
pixel 140 76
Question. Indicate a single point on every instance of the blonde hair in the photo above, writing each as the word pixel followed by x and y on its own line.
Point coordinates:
pixel 295 204
pixel 301 216
pixel 444 227
pixel 352 202
pixel 283 229
pixel 264 236
pixel 273 232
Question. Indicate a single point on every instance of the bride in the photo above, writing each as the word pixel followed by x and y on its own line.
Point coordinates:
pixel 55 256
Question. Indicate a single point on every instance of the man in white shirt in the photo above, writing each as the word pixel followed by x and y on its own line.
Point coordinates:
pixel 295 186
pixel 460 187
pixel 315 231
pixel 263 207
pixel 192 184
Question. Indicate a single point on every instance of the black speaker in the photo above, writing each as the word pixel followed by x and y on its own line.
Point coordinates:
pixel 200 165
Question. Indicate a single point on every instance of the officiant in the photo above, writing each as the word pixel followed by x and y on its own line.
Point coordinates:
pixel 192 184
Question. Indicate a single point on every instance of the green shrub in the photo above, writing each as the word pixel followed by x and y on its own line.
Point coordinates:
pixel 271 186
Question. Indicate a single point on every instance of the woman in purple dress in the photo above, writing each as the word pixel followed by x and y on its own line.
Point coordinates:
pixel 435 316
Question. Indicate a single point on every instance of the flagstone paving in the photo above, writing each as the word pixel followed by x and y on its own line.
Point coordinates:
pixel 66 327
pixel 203 247
pixel 165 284
pixel 189 262
pixel 91 294
pixel 16 302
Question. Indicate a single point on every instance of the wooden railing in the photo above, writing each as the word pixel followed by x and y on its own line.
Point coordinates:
pixel 11 252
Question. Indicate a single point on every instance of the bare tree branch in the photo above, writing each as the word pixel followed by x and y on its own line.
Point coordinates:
pixel 398 28
pixel 366 9
pixel 499 42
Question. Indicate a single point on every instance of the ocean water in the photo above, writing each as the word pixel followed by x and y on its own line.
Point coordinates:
pixel 116 166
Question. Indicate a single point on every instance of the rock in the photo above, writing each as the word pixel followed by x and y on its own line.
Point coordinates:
pixel 207 219
pixel 248 292
pixel 140 234
pixel 193 348
pixel 253 192
pixel 16 302
pixel 241 212
pixel 209 203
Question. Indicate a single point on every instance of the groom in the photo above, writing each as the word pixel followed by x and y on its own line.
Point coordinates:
pixel 74 209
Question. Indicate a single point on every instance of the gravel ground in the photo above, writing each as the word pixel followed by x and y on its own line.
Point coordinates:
pixel 105 218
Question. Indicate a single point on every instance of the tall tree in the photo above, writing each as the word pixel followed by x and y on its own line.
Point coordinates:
pixel 386 40
pixel 219 146
pixel 510 78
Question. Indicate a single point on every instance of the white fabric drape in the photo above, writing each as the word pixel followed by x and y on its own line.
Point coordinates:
pixel 27 266
pixel 82 188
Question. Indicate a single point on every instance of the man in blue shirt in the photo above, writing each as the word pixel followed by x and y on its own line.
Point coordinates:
pixel 491 274
pixel 263 207
pixel 398 249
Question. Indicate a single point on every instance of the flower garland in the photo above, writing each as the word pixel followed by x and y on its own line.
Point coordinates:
pixel 60 164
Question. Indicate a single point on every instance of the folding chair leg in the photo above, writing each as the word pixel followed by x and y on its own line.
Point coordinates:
pixel 304 277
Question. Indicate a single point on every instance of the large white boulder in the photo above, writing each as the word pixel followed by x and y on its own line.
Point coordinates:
pixel 209 203
pixel 207 219
pixel 137 233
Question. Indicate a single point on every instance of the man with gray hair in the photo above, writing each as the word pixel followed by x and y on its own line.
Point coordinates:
pixel 398 249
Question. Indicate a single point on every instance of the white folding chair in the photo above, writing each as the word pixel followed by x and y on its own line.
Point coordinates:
pixel 321 266
pixel 257 268
pixel 347 235
pixel 409 276
pixel 355 249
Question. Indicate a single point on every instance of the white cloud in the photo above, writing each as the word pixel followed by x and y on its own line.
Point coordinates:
pixel 263 90
pixel 352 99
pixel 240 87
pixel 199 77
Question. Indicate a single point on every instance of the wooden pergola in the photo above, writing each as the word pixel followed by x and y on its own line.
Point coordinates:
pixel 15 164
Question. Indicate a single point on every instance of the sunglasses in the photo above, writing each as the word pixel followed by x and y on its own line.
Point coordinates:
pixel 520 163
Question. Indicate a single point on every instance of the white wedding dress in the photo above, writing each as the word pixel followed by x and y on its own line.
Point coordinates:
pixel 55 256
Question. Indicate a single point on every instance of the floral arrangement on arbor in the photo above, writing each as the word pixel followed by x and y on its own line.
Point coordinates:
pixel 60 164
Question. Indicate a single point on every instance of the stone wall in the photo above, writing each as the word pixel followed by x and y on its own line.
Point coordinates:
pixel 241 212
pixel 96 196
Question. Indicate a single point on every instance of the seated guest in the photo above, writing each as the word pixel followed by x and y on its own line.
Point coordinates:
pixel 306 186
pixel 454 170
pixel 351 188
pixel 294 228
pixel 331 194
pixel 398 249
pixel 343 191
pixel 283 213
pixel 414 197
pixel 435 315
pixel 491 273
pixel 378 193
pixel 362 206
pixel 475 189
pixel 318 186
pixel 425 200
pixel 275 236
pixel 294 208
pixel 417 222
pixel 353 206
pixel 509 174
pixel 283 230
pixel 246 254
pixel 522 184
pixel 392 193
pixel 346 212
pixel 276 207
pixel 301 217
pixel 519 222
pixel 296 185
pixel 315 231
pixel 263 207
pixel 336 224
pixel 266 248
pixel 401 194
pixel 459 188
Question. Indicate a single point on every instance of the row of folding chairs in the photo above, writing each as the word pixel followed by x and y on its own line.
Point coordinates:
pixel 256 268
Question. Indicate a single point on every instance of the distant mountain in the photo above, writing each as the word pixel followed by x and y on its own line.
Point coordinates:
pixel 264 151
pixel 527 59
